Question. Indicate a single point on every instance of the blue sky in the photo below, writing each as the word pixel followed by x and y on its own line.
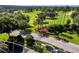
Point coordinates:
pixel 39 2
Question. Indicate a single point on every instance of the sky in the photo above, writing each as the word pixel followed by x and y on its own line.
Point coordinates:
pixel 39 2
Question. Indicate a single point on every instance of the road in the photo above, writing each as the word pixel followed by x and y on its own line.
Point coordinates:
pixel 64 45
pixel 25 49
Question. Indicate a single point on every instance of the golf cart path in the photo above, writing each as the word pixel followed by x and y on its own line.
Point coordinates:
pixel 61 44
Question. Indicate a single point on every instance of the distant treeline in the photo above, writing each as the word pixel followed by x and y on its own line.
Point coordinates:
pixel 10 8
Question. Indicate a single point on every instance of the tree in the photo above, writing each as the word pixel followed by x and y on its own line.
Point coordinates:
pixel 30 41
pixel 75 26
pixel 56 29
pixel 20 40
pixel 14 47
pixel 77 19
pixel 40 19
pixel 41 16
pixel 7 24
pixel 51 14
pixel 22 20
pixel 39 22
pixel 78 31
pixel 74 15
pixel 20 16
pixel 65 10
pixel 22 25
pixel 68 21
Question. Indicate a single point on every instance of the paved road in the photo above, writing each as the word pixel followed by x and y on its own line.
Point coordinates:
pixel 66 46
pixel 25 49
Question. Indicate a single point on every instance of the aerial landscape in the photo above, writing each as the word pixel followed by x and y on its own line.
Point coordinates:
pixel 39 29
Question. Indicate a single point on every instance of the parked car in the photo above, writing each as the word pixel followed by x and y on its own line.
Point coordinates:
pixel 51 49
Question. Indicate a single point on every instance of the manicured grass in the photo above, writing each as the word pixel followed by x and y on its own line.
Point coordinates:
pixel 61 19
pixel 4 36
pixel 75 39
pixel 33 16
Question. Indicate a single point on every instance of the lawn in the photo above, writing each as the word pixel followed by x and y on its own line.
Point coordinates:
pixel 4 36
pixel 75 38
pixel 60 19
pixel 33 16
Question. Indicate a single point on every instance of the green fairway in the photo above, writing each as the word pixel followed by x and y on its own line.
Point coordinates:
pixel 33 16
pixel 61 19
pixel 4 36
pixel 75 38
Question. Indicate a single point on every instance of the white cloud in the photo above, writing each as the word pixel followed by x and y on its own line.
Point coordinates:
pixel 39 2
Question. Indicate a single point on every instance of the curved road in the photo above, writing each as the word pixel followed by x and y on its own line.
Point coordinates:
pixel 64 45
pixel 25 49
